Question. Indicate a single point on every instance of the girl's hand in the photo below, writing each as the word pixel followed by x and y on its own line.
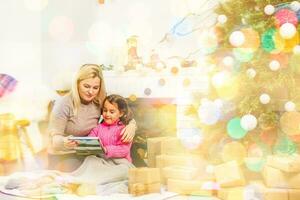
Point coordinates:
pixel 69 143
pixel 128 133
pixel 104 149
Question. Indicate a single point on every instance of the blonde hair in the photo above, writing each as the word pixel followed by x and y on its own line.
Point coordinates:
pixel 85 72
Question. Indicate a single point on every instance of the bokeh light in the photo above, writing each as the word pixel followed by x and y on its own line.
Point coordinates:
pixel 234 128
pixel 174 70
pixel 147 91
pixel 191 138
pixel 186 82
pixel 255 164
pixel 161 82
pixel 132 97
pixel 285 146
pixel 209 112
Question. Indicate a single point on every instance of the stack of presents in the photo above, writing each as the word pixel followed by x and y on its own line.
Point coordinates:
pixel 172 166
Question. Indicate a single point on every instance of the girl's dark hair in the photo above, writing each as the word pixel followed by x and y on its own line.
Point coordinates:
pixel 122 106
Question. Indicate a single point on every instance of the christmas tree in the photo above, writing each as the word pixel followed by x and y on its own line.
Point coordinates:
pixel 251 109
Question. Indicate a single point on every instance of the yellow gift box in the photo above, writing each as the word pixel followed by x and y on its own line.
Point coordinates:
pixel 229 174
pixel 154 149
pixel 137 189
pixel 278 179
pixel 179 172
pixel 144 175
pixel 188 187
pixel 171 146
pixel 290 163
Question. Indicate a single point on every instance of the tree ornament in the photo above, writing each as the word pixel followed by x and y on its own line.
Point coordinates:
pixel 274 65
pixel 248 122
pixel 282 58
pixel 267 41
pixel 287 30
pixel 251 73
pixel 295 5
pixel 237 38
pixel 285 16
pixel 268 136
pixel 234 128
pixel 289 106
pixel 280 43
pixel 269 9
pixel 264 98
pixel 222 19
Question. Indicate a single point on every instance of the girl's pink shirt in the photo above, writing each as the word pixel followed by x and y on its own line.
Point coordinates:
pixel 110 137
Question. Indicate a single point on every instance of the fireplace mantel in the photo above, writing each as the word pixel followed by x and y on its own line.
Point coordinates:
pixel 162 84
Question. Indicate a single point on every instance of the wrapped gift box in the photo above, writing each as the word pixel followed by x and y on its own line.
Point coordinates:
pixel 179 172
pixel 278 179
pixel 171 146
pixel 229 174
pixel 275 194
pixel 188 187
pixel 235 193
pixel 289 163
pixel 182 160
pixel 137 189
pixel 144 175
pixel 294 194
pixel 253 191
pixel 185 160
pixel 154 149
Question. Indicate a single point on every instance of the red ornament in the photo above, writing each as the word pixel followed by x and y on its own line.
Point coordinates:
pixel 282 58
pixel 286 16
pixel 269 136
pixel 295 138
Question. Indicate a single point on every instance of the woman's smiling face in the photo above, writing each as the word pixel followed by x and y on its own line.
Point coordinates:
pixel 88 89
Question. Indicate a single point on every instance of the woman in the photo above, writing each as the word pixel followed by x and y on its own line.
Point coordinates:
pixel 76 114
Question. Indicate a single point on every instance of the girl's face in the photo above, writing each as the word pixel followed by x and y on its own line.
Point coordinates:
pixel 111 112
pixel 89 88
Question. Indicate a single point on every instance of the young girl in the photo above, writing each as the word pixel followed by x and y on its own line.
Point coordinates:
pixel 116 115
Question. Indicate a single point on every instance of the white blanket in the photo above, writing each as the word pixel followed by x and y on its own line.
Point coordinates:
pixel 109 176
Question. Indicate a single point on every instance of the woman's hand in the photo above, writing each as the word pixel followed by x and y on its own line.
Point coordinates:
pixel 128 132
pixel 69 143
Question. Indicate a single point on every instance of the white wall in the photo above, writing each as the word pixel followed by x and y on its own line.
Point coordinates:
pixel 43 42
pixel 20 39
